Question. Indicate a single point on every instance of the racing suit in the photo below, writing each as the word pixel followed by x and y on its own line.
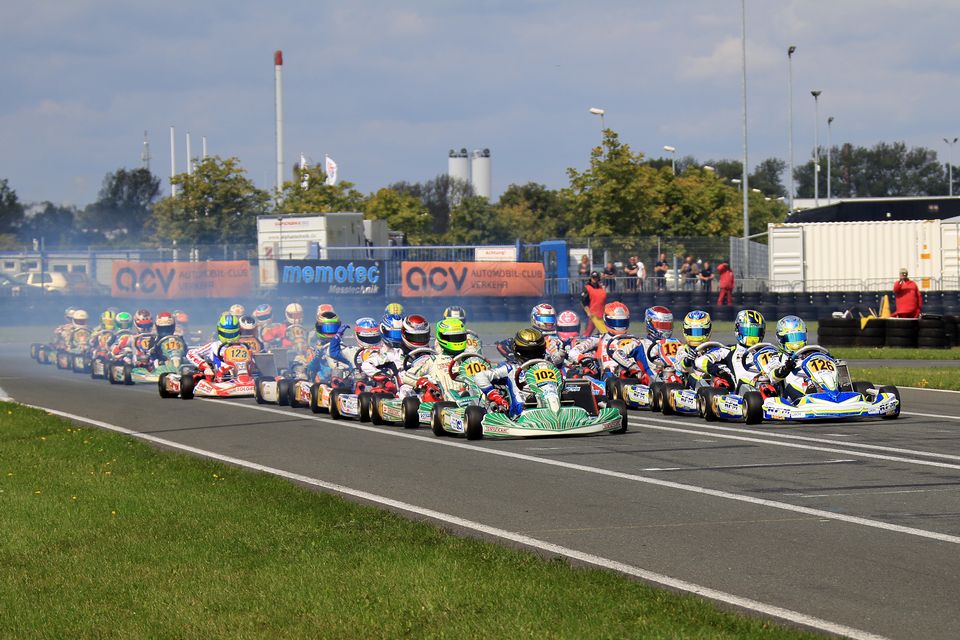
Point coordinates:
pixel 726 361
pixel 208 360
pixel 503 374
pixel 380 357
pixel 782 368
pixel 434 368
pixel 611 359
pixel 331 357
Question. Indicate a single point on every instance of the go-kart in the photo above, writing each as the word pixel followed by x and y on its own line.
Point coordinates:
pixel 414 411
pixel 172 348
pixel 100 354
pixel 662 355
pixel 681 399
pixel 829 395
pixel 235 382
pixel 134 355
pixel 553 407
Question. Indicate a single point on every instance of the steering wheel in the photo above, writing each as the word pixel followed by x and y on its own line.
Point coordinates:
pixel 752 350
pixel 452 370
pixel 413 355
pixel 517 376
pixel 712 344
pixel 612 345
pixel 810 348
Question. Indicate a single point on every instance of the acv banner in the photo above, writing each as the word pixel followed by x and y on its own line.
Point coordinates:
pixel 434 279
pixel 220 279
pixel 330 277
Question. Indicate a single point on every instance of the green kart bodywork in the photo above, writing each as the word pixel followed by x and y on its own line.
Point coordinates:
pixel 173 349
pixel 548 411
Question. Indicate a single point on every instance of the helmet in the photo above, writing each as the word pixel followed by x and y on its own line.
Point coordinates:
pixel 455 312
pixel 529 344
pixel 228 328
pixel 749 328
pixel 263 313
pixel 367 332
pixel 124 320
pixel 108 320
pixel 544 317
pixel 416 332
pixel 391 328
pixel 659 323
pixel 166 323
pixel 451 336
pixel 328 325
pixel 143 320
pixel 80 317
pixel 248 326
pixel 617 318
pixel 294 313
pixel 238 310
pixel 568 325
pixel 68 313
pixel 394 308
pixel 696 327
pixel 181 317
pixel 324 308
pixel 792 333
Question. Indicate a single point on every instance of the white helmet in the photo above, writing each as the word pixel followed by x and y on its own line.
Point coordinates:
pixel 544 317
pixel 294 313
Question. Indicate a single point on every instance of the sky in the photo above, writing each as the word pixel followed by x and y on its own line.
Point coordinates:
pixel 388 88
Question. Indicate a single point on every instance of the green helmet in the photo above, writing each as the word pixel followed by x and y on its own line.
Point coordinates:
pixel 451 336
pixel 124 320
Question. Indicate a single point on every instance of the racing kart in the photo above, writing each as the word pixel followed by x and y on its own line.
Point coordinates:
pixel 554 406
pixel 135 355
pixel 237 382
pixel 829 395
pixel 662 355
pixel 172 348
pixel 683 399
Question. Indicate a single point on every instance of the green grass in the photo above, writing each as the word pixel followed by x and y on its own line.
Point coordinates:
pixel 894 353
pixel 927 377
pixel 104 536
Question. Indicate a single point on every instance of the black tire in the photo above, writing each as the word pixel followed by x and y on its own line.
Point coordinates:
pixel 896 392
pixel 932 343
pixel 620 406
pixel 903 343
pixel 187 384
pixel 931 333
pixel 34 349
pixel 753 406
pixel 614 389
pixel 375 416
pixel 315 399
pixel 838 323
pixel 656 396
pixel 162 387
pixel 435 425
pixel 365 402
pixel 869 341
pixel 292 395
pixel 930 324
pixel 127 374
pixel 705 403
pixel 43 354
pixel 411 415
pixel 665 407
pixel 334 406
pixel 257 391
pixel 283 392
pixel 474 418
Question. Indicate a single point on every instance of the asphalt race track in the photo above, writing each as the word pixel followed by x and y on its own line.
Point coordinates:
pixel 855 525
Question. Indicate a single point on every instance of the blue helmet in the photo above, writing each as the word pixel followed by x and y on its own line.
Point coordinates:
pixel 697 326
pixel 328 325
pixel 659 322
pixel 792 333
pixel 749 327
pixel 228 328
pixel 391 328
pixel 367 331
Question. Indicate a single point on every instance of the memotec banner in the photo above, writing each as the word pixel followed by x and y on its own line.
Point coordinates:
pixel 330 277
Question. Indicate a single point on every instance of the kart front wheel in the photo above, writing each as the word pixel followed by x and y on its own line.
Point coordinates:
pixel 656 397
pixel 436 424
pixel 474 418
pixel 705 403
pixel 666 398
pixel 127 374
pixel 614 388
pixel 315 398
pixel 896 392
pixel 411 412
pixel 186 387
pixel 376 417
pixel 753 407
pixel 283 392
pixel 335 404
pixel 366 401
pixel 292 391
pixel 162 386
pixel 620 406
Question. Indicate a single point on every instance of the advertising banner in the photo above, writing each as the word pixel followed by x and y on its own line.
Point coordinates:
pixel 330 277
pixel 166 280
pixel 495 254
pixel 434 279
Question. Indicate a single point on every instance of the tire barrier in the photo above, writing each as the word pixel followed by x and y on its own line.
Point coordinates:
pixel 871 334
pixel 837 332
pixel 902 332
pixel 931 333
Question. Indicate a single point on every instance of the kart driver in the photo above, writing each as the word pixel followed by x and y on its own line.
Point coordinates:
pixel 207 357
pixel 610 356
pixel 792 336
pixel 528 344
pixel 451 341
pixel 390 350
pixel 728 362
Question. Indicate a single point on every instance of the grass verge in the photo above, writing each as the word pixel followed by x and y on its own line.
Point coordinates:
pixel 104 536
pixel 894 353
pixel 927 378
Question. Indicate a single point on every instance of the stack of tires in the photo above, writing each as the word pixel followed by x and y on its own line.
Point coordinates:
pixel 872 333
pixel 932 333
pixel 903 333
pixel 838 332
pixel 952 329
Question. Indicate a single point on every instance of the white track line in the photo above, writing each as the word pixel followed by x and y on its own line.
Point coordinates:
pixel 549 547
pixel 750 466
pixel 929 415
pixel 785 506
pixel 639 419
pixel 928 389
pixel 4 397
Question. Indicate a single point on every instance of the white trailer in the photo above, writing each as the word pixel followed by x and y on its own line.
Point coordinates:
pixel 291 237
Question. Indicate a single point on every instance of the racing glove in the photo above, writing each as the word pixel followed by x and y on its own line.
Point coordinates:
pixel 497 399
pixel 784 370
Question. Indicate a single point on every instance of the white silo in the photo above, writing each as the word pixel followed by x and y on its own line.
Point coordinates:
pixel 458 165
pixel 480 167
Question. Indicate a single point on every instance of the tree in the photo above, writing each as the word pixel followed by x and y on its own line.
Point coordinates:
pixel 217 204
pixel 55 226
pixel 309 193
pixel 403 212
pixel 475 222
pixel 534 212
pixel 766 177
pixel 123 205
pixel 11 212
pixel 439 196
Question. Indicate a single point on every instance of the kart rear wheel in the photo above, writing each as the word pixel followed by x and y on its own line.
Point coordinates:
pixel 334 404
pixel 365 400
pixel 291 388
pixel 127 374
pixel 474 418
pixel 43 354
pixel 283 392
pixel 257 391
pixel 435 424
pixel 656 397
pixel 34 349
pixel 162 386
pixel 375 416
pixel 896 392
pixel 861 386
pixel 315 398
pixel 753 407
pixel 705 403
pixel 98 364
pixel 614 388
pixel 666 398
pixel 187 384
pixel 411 412
pixel 620 406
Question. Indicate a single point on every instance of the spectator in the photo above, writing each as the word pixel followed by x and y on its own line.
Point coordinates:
pixel 726 284
pixel 593 299
pixel 631 270
pixel 660 270
pixel 907 296
pixel 584 271
pixel 688 273
pixel 610 276
pixel 706 276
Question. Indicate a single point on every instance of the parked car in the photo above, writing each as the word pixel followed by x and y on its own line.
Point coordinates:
pixel 50 281
pixel 81 283
pixel 12 286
